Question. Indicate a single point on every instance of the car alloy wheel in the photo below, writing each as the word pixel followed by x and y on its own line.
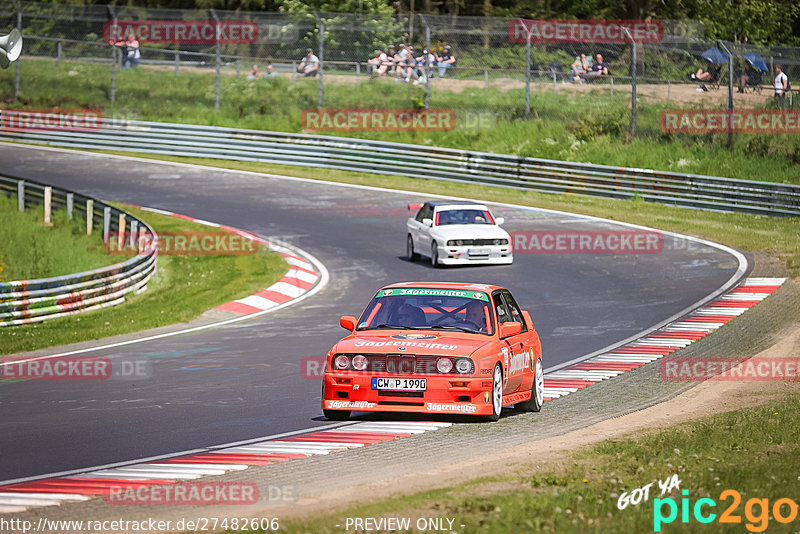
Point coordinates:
pixel 497 394
pixel 435 254
pixel 537 392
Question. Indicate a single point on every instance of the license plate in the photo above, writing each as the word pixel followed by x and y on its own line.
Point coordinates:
pixel 399 384
pixel 478 251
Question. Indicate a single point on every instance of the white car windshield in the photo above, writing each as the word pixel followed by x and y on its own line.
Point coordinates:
pixel 463 216
pixel 428 309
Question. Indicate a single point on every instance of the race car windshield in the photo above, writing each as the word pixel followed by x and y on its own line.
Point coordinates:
pixel 428 309
pixel 468 216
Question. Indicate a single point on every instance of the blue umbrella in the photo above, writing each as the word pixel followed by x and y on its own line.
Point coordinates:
pixel 715 55
pixel 756 61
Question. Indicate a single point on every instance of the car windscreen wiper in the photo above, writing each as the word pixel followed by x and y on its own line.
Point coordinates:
pixel 454 327
pixel 394 326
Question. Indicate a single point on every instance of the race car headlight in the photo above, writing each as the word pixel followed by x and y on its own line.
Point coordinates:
pixel 501 242
pixel 464 365
pixel 341 362
pixel 360 362
pixel 444 365
pixel 455 243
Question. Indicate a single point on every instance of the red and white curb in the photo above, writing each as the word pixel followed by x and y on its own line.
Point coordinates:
pixel 302 275
pixel 661 342
pixel 101 482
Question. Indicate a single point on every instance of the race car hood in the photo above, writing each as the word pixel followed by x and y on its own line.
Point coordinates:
pixel 434 343
pixel 469 231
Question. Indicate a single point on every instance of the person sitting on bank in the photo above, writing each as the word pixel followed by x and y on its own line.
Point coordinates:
pixel 581 66
pixel 446 61
pixel 253 73
pixel 600 68
pixel 378 64
pixel 309 65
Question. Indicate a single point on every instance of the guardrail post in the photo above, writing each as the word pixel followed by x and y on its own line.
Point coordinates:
pixel 70 204
pixel 21 195
pixel 134 231
pixel 121 231
pixel 106 224
pixel 89 216
pixel 48 205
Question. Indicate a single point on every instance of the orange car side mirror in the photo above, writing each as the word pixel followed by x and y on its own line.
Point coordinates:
pixel 510 329
pixel 348 322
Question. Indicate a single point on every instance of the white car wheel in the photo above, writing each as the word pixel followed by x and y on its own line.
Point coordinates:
pixel 497 394
pixel 537 392
pixel 410 254
pixel 435 254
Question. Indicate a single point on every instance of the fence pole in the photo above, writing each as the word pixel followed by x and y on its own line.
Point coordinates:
pixel 121 231
pixel 669 90
pixel 70 204
pixel 633 82
pixel 89 216
pixel 48 205
pixel 21 195
pixel 17 66
pixel 528 76
pixel 177 59
pixel 134 232
pixel 358 73
pixel 730 93
pixel 217 59
pixel 113 16
pixel 106 224
pixel 427 70
pixel 320 96
pixel 485 79
pixel 58 53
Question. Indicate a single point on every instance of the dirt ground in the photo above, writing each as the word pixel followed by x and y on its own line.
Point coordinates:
pixel 709 397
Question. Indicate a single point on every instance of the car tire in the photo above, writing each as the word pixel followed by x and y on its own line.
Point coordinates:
pixel 497 394
pixel 537 392
pixel 336 415
pixel 410 254
pixel 435 254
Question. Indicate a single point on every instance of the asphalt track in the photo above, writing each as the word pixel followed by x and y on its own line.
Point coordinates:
pixel 244 380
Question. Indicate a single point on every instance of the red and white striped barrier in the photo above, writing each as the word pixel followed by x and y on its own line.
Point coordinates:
pixel 661 342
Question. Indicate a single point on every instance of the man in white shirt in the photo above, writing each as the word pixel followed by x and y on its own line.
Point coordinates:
pixel 781 85
pixel 309 65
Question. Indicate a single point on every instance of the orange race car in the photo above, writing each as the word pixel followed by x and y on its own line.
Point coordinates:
pixel 444 348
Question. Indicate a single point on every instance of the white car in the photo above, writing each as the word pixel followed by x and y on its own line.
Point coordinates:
pixel 457 233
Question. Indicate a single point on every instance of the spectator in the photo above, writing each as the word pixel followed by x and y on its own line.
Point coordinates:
pixel 390 59
pixel 378 64
pixel 270 72
pixel 446 61
pixel 411 66
pixel 711 75
pixel 744 77
pixel 581 66
pixel 600 68
pixel 130 48
pixel 401 57
pixel 309 65
pixel 781 86
pixel 253 73
pixel 425 64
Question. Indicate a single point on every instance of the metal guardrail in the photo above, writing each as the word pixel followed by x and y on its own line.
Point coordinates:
pixel 29 301
pixel 383 157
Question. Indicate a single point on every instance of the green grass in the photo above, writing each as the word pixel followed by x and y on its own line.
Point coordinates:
pixel 32 250
pixel 777 237
pixel 753 451
pixel 587 127
pixel 182 288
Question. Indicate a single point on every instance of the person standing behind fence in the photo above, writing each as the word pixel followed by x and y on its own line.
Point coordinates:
pixel 446 61
pixel 781 86
pixel 130 51
pixel 309 65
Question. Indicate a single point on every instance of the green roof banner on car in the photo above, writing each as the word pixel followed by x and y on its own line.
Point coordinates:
pixel 430 292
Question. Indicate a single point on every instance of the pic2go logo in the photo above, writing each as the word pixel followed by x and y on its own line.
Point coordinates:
pixel 756 511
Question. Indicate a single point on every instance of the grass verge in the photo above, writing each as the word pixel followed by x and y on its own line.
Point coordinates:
pixel 182 288
pixel 32 250
pixel 776 237
pixel 752 451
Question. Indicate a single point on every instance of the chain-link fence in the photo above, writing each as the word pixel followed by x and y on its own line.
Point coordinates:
pixel 477 67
